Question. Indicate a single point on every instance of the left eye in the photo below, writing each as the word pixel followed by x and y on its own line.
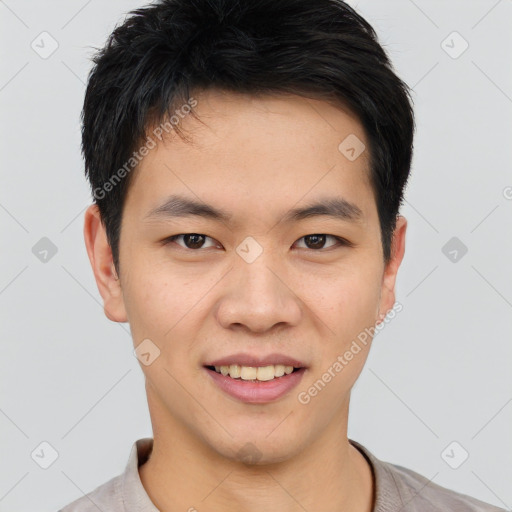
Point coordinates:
pixel 194 241
pixel 319 240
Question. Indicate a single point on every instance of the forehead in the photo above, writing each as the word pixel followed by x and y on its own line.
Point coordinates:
pixel 255 154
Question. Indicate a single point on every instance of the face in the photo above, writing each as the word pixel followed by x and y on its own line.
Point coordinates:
pixel 243 280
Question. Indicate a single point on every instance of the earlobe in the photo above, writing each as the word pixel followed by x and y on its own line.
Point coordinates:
pixel 100 256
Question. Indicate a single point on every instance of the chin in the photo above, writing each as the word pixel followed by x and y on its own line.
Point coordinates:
pixel 259 448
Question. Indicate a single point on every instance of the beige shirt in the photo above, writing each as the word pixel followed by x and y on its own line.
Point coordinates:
pixel 397 489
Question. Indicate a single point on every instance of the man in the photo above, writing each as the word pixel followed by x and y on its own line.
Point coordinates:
pixel 248 161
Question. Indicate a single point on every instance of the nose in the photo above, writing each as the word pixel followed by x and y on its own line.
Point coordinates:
pixel 258 298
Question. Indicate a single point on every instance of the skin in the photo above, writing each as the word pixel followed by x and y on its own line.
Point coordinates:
pixel 256 157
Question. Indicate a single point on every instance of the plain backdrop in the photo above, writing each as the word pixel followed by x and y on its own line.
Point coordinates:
pixel 438 374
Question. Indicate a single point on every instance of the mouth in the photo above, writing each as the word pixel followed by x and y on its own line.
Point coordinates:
pixel 258 384
pixel 254 373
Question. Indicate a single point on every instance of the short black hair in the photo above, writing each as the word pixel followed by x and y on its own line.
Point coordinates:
pixel 163 52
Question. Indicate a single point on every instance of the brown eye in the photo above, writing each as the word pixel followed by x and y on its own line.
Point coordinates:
pixel 317 241
pixel 191 241
pixel 314 242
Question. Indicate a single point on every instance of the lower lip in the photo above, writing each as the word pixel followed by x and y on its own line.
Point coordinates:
pixel 258 392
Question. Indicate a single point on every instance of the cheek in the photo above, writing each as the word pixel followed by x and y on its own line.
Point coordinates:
pixel 153 303
pixel 159 311
pixel 163 303
pixel 357 307
pixel 145 299
pixel 348 307
pixel 346 300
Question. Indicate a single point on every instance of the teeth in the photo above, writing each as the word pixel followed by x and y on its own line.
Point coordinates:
pixel 265 373
pixel 247 372
pixel 235 371
pixel 279 370
pixel 261 373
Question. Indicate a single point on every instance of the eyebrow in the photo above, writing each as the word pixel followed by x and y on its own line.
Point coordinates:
pixel 180 206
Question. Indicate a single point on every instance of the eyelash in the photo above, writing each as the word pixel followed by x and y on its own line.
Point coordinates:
pixel 341 241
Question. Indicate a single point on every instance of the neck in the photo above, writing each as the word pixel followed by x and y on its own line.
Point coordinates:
pixel 183 473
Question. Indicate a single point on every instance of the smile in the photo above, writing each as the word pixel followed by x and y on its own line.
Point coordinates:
pixel 253 373
pixel 255 385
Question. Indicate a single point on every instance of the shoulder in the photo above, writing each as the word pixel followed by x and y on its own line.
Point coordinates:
pixel 398 488
pixel 107 496
pixel 418 493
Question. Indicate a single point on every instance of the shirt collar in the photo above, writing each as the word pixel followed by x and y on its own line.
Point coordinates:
pixel 389 493
pixel 135 498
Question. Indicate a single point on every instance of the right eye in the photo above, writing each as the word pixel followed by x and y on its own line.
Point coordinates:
pixel 192 241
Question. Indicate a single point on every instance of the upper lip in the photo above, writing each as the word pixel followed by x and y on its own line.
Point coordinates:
pixel 244 359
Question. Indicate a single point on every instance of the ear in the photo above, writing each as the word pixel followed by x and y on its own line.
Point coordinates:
pixel 100 256
pixel 390 271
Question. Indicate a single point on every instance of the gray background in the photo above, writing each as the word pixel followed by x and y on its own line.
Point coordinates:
pixel 439 372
